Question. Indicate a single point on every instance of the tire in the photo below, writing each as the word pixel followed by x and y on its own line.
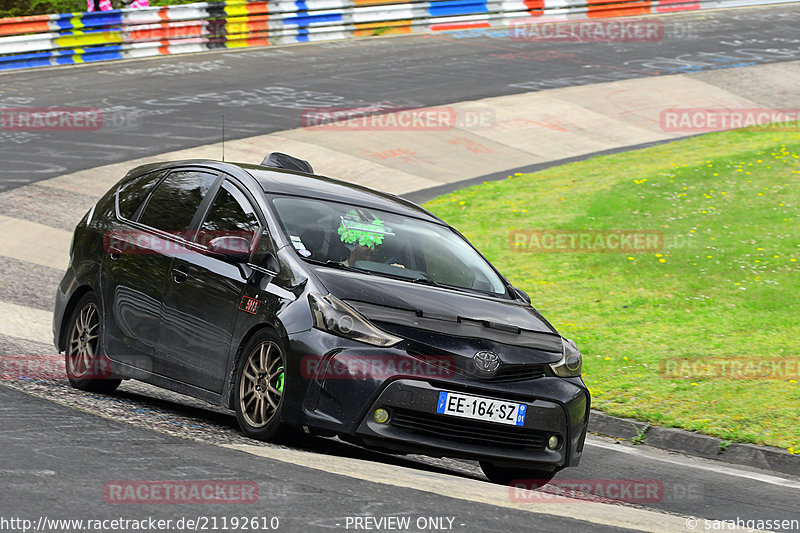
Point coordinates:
pixel 88 368
pixel 503 475
pixel 259 389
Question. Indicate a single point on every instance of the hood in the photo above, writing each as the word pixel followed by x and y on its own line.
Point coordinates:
pixel 405 307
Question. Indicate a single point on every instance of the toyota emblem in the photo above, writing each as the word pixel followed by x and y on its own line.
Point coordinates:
pixel 487 362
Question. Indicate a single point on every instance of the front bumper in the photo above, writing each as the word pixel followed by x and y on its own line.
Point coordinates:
pixel 415 426
pixel 345 406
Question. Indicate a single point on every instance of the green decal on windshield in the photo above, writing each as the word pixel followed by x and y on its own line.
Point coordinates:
pixel 369 234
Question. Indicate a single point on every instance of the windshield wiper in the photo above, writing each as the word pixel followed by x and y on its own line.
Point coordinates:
pixel 340 265
pixel 425 280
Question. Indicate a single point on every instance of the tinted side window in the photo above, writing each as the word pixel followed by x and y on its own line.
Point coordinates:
pixel 173 204
pixel 131 194
pixel 230 214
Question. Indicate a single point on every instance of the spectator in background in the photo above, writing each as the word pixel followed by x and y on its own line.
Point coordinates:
pixel 105 5
pixel 98 5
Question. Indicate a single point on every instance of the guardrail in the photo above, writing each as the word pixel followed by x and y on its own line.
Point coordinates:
pixel 27 42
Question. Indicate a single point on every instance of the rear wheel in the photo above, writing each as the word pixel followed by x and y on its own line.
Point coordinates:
pixel 259 389
pixel 87 367
pixel 504 475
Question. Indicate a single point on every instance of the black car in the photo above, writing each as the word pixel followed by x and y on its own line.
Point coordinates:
pixel 301 301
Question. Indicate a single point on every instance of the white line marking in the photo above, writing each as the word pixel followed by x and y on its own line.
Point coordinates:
pixel 34 243
pixel 26 323
pixel 472 490
pixel 764 478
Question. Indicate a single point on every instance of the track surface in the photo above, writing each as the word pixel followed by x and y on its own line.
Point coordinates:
pixel 51 460
pixel 164 104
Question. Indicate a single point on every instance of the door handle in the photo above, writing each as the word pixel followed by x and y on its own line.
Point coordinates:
pixel 114 252
pixel 179 275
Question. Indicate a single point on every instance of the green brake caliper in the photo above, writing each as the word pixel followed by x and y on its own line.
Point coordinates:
pixel 279 383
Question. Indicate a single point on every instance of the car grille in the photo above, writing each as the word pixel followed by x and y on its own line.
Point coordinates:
pixel 465 367
pixel 468 431
pixel 517 373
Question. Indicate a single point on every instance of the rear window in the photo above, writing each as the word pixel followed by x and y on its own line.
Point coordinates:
pixel 173 204
pixel 131 194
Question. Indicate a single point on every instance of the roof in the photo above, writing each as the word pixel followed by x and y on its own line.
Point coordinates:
pixel 291 182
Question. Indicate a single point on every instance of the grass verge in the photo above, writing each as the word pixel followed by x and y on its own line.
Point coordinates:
pixel 724 288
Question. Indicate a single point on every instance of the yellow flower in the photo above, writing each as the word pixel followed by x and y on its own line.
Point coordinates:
pixel 462 202
pixel 659 255
pixel 662 260
pixel 694 384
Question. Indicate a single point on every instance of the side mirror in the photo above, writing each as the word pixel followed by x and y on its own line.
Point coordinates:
pixel 270 262
pixel 230 248
pixel 522 295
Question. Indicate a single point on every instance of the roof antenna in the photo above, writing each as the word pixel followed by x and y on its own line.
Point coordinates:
pixel 223 137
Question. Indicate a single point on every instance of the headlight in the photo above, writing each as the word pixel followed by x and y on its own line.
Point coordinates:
pixel 336 317
pixel 571 361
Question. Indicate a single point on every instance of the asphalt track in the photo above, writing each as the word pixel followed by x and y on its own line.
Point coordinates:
pixel 164 104
pixel 56 459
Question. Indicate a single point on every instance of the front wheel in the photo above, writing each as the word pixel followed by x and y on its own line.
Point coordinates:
pixel 88 368
pixel 503 475
pixel 259 388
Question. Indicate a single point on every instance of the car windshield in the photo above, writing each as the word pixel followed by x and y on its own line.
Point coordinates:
pixel 378 242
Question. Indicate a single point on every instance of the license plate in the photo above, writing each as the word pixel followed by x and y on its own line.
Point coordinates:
pixel 465 406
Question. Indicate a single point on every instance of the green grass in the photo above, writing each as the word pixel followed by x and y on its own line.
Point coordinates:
pixel 726 285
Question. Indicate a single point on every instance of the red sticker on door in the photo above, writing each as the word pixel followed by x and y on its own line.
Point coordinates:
pixel 249 305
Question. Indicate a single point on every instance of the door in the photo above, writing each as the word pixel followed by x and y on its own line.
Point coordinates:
pixel 153 215
pixel 203 296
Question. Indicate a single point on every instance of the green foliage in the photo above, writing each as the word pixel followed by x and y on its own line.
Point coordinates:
pixel 725 284
pixel 641 434
pixel 22 8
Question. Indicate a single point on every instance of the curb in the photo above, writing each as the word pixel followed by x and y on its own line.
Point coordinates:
pixel 691 443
